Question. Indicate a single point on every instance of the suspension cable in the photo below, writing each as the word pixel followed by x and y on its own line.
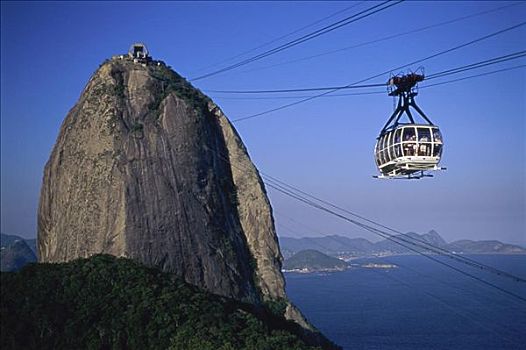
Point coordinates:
pixel 389 237
pixel 385 38
pixel 386 72
pixel 374 92
pixel 426 245
pixel 445 73
pixel 346 21
pixel 283 36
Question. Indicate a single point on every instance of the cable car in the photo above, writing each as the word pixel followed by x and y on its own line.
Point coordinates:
pixel 407 150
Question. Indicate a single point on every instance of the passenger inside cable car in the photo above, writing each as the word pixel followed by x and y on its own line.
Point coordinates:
pixel 409 147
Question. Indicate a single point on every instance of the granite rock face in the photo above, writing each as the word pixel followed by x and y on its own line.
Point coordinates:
pixel 145 166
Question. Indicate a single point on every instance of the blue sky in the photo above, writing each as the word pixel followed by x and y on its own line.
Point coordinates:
pixel 50 49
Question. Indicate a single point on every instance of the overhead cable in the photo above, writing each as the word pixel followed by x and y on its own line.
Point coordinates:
pixel 283 36
pixel 402 236
pixel 295 90
pixel 385 72
pixel 386 38
pixel 474 76
pixel 389 237
pixel 295 96
pixel 327 29
pixel 373 92
pixel 477 65
pixel 480 64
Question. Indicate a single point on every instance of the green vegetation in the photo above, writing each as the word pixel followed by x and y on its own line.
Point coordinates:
pixel 170 81
pixel 277 307
pixel 119 89
pixel 313 260
pixel 115 303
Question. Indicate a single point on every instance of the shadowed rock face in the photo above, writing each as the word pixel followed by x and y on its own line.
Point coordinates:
pixel 147 167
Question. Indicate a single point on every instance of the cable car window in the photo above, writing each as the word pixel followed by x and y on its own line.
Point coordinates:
pixel 382 157
pixel 398 150
pixel 398 133
pixel 409 134
pixel 392 154
pixel 437 150
pixel 424 149
pixel 437 136
pixel 409 149
pixel 424 135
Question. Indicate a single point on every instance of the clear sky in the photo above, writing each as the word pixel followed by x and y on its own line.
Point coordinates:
pixel 50 49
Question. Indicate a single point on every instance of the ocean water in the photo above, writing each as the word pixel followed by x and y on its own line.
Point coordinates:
pixel 419 305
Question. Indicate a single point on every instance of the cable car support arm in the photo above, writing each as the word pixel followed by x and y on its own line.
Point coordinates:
pixel 404 87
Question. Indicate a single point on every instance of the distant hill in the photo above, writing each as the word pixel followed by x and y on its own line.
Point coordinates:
pixel 331 245
pixel 105 302
pixel 485 247
pixel 389 247
pixel 313 261
pixel 15 253
pixel 7 240
pixel 335 245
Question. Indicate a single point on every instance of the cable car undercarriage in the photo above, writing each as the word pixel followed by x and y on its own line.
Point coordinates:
pixel 407 150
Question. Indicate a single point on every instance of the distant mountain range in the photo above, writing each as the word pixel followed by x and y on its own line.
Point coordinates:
pixel 16 252
pixel 335 245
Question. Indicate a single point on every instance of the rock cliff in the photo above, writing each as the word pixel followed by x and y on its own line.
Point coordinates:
pixel 145 166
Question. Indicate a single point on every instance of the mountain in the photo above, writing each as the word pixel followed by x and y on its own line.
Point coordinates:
pixel 312 260
pixel 105 302
pixel 434 238
pixel 332 245
pixel 147 167
pixel 7 240
pixel 389 246
pixel 335 245
pixel 484 247
pixel 15 253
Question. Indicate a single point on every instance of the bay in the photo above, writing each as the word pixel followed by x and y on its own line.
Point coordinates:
pixel 420 304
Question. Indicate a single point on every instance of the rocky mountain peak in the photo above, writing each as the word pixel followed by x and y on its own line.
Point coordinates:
pixel 146 166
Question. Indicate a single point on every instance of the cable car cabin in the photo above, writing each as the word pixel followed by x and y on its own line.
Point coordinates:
pixel 407 150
